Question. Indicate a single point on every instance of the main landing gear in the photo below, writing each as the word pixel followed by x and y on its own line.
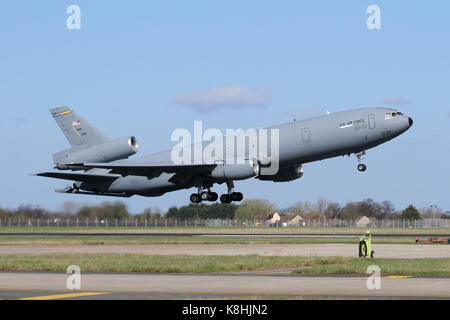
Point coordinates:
pixel 361 166
pixel 212 196
pixel 203 196
pixel 231 196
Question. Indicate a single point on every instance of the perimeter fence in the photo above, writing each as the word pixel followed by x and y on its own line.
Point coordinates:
pixel 180 223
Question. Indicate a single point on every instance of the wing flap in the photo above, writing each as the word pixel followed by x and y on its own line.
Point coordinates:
pixel 73 191
pixel 82 177
pixel 141 169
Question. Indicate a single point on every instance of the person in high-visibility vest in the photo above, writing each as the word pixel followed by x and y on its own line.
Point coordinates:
pixel 365 245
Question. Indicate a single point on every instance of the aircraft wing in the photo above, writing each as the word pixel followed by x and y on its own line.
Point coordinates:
pixel 141 169
pixel 82 177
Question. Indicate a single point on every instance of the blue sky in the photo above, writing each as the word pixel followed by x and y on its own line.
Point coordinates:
pixel 123 69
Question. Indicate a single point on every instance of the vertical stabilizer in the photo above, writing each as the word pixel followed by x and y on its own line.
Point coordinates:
pixel 78 131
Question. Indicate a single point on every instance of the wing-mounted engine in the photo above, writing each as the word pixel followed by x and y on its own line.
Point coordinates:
pixel 106 152
pixel 285 174
pixel 231 172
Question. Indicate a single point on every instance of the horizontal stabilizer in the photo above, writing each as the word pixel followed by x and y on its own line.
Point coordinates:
pixel 82 177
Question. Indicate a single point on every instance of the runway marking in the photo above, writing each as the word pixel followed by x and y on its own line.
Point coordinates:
pixel 67 295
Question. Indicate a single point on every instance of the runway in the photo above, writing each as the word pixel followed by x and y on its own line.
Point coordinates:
pixel 382 251
pixel 260 284
pixel 34 285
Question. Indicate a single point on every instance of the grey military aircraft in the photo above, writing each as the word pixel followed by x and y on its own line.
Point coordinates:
pixel 101 166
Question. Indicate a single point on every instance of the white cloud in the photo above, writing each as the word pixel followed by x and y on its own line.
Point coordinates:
pixel 397 100
pixel 224 97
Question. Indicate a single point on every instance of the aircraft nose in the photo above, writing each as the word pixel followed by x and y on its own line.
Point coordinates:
pixel 410 121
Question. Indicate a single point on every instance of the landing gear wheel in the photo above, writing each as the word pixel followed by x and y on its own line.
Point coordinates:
pixel 237 196
pixel 213 196
pixel 225 198
pixel 195 198
pixel 362 167
pixel 204 196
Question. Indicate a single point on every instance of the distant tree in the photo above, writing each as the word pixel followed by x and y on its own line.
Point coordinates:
pixel 322 205
pixel 370 208
pixel 333 210
pixel 4 213
pixel 156 216
pixel 297 209
pixel 112 210
pixel 85 212
pixel 146 215
pixel 313 215
pixel 70 208
pixel 149 213
pixel 107 210
pixel 301 208
pixel 29 212
pixel 351 210
pixel 387 209
pixel 410 213
pixel 191 211
pixel 221 211
pixel 252 208
pixel 172 213
pixel 203 211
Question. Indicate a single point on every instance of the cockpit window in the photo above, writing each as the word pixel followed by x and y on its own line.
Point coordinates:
pixel 390 115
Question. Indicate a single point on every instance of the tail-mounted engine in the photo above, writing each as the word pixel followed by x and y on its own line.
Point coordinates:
pixel 109 151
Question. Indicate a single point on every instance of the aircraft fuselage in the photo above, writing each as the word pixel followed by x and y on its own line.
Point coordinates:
pixel 300 142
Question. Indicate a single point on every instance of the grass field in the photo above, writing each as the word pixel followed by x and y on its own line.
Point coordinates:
pixel 222 230
pixel 424 267
pixel 211 264
pixel 152 263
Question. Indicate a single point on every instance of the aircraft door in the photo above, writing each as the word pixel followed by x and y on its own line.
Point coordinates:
pixel 306 138
pixel 371 121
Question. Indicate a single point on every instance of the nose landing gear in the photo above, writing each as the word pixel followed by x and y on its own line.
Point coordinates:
pixel 361 166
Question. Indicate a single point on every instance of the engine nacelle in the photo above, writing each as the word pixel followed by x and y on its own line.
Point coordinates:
pixel 236 171
pixel 110 151
pixel 285 174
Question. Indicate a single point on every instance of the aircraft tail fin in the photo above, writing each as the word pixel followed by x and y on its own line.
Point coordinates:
pixel 80 133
